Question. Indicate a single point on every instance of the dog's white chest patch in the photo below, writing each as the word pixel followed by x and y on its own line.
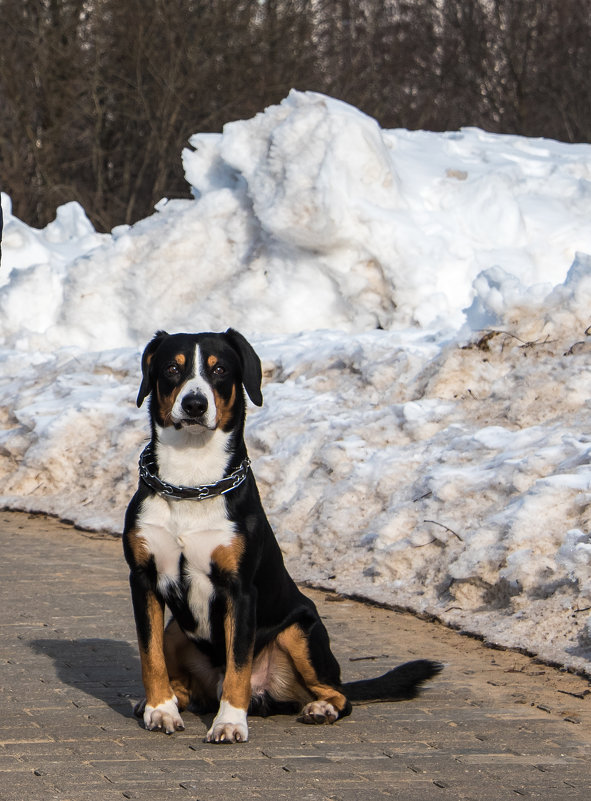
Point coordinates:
pixel 189 529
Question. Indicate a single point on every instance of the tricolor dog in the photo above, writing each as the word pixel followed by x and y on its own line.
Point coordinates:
pixel 242 637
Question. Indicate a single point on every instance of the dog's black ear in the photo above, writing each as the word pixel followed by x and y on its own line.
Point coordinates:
pixel 151 348
pixel 252 374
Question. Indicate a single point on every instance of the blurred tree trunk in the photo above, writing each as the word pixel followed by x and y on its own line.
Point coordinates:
pixel 98 97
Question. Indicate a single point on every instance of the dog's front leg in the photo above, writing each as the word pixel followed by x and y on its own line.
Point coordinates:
pixel 230 725
pixel 160 709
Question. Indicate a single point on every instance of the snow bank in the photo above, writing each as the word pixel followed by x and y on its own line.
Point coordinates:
pixel 421 305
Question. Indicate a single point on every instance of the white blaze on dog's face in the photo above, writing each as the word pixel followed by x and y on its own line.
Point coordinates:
pixel 195 403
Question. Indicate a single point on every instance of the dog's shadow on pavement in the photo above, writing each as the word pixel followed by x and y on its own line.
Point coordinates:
pixel 108 670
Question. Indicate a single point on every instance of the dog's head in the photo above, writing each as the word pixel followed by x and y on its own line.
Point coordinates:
pixel 197 379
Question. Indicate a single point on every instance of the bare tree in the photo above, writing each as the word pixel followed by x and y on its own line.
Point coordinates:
pixel 98 97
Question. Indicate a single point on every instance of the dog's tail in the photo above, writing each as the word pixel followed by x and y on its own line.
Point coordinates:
pixel 399 684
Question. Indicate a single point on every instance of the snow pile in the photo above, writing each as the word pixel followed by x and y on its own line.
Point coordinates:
pixel 421 305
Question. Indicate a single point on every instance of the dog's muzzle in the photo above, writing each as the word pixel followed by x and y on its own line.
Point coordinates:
pixel 193 410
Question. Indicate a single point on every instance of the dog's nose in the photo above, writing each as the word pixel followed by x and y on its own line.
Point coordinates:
pixel 194 404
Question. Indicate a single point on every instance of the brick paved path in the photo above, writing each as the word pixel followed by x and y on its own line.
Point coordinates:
pixel 495 725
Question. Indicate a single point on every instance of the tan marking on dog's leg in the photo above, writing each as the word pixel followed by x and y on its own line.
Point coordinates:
pixel 236 686
pixel 160 709
pixel 230 725
pixel 329 701
pixel 154 673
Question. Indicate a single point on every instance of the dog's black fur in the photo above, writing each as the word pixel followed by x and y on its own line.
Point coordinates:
pixel 242 636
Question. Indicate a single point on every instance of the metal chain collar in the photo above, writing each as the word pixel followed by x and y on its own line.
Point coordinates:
pixel 147 466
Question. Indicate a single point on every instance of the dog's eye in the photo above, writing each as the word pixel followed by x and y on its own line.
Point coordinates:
pixel 219 370
pixel 172 370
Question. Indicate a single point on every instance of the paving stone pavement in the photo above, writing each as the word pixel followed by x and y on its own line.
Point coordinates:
pixel 494 725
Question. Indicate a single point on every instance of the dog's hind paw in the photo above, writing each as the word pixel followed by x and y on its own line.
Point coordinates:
pixel 318 712
pixel 164 717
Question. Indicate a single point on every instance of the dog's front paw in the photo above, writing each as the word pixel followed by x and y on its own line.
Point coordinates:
pixel 229 725
pixel 227 733
pixel 318 712
pixel 164 717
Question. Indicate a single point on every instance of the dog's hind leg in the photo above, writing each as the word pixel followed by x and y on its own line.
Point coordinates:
pixel 318 670
pixel 192 677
